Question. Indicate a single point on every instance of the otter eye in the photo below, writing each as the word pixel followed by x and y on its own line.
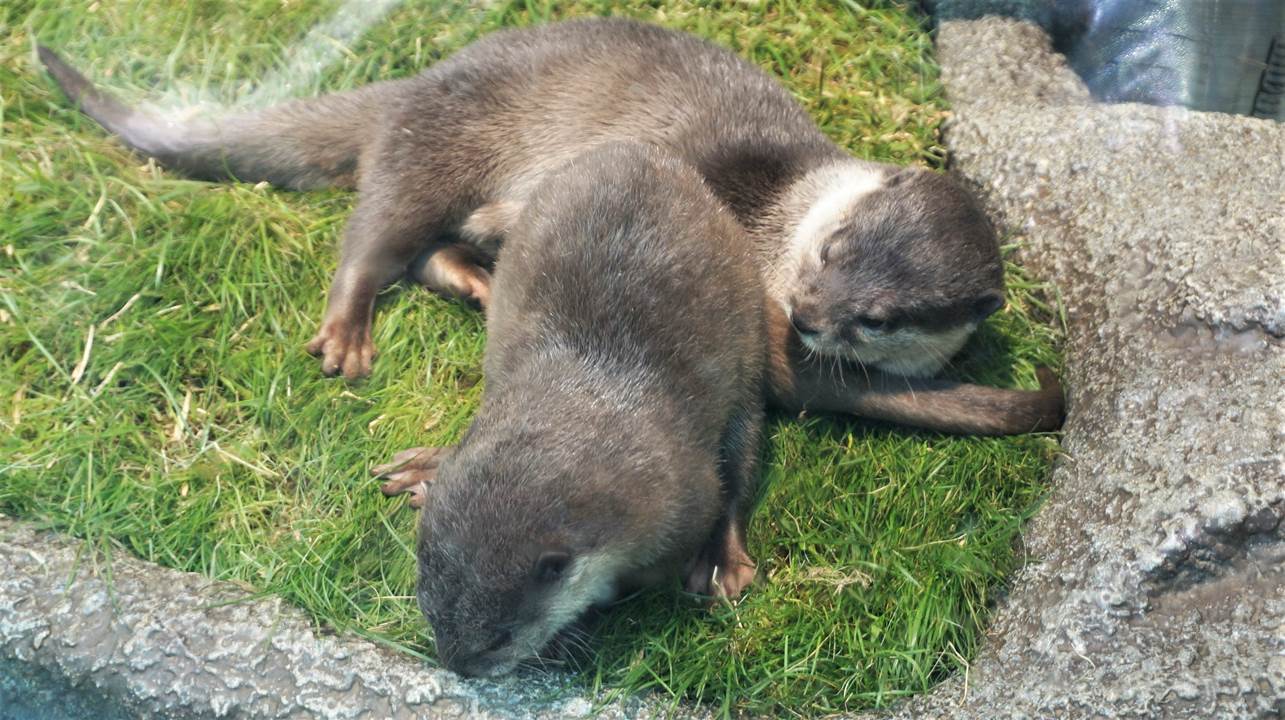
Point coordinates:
pixel 551 565
pixel 872 324
pixel 985 306
pixel 824 254
pixel 504 638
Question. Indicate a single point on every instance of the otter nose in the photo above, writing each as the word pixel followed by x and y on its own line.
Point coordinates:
pixel 469 665
pixel 803 322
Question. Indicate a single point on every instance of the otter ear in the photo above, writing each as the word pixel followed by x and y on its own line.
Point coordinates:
pixel 551 566
pixel 986 305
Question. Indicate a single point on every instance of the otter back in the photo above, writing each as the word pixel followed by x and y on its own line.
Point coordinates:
pixel 484 125
pixel 617 438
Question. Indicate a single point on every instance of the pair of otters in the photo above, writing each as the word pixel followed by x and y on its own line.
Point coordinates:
pixel 680 243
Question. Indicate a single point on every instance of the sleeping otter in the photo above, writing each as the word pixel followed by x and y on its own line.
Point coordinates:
pixel 889 267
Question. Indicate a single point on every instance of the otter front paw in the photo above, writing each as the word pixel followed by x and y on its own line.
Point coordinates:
pixel 1054 409
pixel 411 471
pixel 343 347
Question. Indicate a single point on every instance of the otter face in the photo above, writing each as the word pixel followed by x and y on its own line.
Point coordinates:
pixel 498 580
pixel 897 275
pixel 486 621
pixel 882 339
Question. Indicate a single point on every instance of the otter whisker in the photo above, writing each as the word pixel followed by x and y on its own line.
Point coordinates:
pixel 836 370
pixel 940 358
pixel 864 371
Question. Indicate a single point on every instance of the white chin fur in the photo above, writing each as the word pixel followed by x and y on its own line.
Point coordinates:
pixel 591 581
pixel 907 352
pixel 924 367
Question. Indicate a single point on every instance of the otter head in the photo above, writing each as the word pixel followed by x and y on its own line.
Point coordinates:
pixel 514 546
pixel 893 271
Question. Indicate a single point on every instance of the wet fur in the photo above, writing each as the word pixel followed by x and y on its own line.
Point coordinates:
pixel 618 425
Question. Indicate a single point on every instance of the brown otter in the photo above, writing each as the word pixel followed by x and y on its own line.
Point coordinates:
pixel 799 380
pixel 618 435
pixel 886 266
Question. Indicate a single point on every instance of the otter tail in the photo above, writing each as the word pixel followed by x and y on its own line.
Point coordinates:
pixel 301 144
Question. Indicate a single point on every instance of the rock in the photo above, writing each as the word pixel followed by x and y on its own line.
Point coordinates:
pixel 1158 588
pixel 148 642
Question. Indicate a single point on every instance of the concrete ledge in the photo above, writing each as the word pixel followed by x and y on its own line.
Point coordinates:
pixel 139 641
pixel 1159 583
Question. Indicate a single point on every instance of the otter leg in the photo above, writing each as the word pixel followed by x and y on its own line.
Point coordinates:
pixel 723 567
pixel 453 270
pixel 798 383
pixel 411 471
pixel 490 224
pixel 389 227
pixel 459 269
pixel 942 405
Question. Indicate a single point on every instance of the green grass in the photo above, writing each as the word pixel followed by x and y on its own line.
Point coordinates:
pixel 195 432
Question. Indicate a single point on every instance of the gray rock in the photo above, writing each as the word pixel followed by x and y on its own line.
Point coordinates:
pixel 1157 587
pixel 147 642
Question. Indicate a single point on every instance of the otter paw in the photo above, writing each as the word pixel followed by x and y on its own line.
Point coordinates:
pixel 453 271
pixel 1054 412
pixel 343 348
pixel 411 471
pixel 722 578
pixel 732 578
pixel 1048 379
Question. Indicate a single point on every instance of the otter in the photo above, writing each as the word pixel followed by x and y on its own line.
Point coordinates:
pixel 617 440
pixel 889 267
pixel 799 380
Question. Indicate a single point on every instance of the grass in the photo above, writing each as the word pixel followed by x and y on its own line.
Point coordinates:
pixel 155 397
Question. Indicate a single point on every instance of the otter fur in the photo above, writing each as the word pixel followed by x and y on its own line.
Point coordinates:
pixel 885 266
pixel 618 435
pixel 889 269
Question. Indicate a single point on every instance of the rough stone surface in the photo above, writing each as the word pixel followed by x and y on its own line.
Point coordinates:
pixel 1158 582
pixel 142 641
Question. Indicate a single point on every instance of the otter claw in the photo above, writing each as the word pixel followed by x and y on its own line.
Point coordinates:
pixel 343 348
pixel 416 487
pixel 411 471
pixel 721 581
